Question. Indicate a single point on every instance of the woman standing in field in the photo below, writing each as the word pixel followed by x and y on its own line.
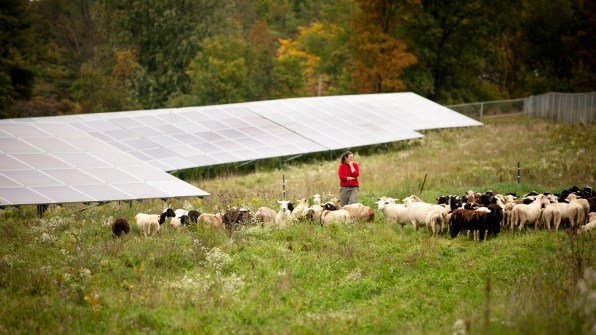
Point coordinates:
pixel 348 173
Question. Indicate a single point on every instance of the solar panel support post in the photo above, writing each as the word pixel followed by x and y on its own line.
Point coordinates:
pixel 41 209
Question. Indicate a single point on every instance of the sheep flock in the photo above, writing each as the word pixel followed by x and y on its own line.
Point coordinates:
pixel 479 215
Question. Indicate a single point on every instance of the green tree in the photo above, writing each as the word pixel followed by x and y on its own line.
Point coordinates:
pixel 17 73
pixel 260 58
pixel 559 41
pixel 219 74
pixel 165 36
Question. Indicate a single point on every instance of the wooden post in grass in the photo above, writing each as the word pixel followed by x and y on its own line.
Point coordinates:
pixel 283 185
pixel 518 172
pixel 423 182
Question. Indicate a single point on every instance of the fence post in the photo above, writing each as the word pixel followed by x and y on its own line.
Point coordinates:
pixel 283 186
pixel 518 172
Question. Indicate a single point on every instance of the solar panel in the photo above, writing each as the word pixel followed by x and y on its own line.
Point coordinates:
pixel 334 125
pixel 122 155
pixel 46 163
pixel 173 139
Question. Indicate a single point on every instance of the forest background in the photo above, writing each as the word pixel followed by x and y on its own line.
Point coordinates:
pixel 63 57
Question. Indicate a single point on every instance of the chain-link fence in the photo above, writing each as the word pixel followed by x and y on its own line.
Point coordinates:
pixel 561 107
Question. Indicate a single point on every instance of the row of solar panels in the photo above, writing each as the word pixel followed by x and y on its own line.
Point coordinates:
pixel 125 155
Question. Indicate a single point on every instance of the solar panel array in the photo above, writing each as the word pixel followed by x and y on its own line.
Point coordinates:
pixel 48 163
pixel 109 148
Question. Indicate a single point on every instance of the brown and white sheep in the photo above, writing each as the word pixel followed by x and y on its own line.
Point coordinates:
pixel 358 211
pixel 211 219
pixel 265 215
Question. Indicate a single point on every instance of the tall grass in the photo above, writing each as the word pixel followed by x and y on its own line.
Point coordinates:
pixel 64 272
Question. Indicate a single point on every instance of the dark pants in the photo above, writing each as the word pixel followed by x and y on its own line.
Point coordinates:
pixel 348 195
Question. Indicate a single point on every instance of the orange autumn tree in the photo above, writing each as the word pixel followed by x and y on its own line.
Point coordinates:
pixel 317 49
pixel 379 58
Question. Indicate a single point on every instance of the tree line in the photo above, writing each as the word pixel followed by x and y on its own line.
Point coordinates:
pixel 85 56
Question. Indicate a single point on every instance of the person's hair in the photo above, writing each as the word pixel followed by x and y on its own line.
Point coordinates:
pixel 345 156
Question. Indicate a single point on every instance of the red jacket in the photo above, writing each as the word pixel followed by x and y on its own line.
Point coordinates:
pixel 344 171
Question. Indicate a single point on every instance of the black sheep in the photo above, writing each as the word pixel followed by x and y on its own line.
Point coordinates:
pixel 477 220
pixel 120 227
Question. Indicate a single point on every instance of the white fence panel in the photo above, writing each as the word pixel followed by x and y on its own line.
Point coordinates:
pixel 561 107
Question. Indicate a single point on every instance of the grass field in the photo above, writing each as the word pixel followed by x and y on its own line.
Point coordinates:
pixel 64 273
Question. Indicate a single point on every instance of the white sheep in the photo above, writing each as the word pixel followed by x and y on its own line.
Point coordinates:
pixel 569 212
pixel 316 199
pixel 435 221
pixel 283 218
pixel 332 214
pixel 551 216
pixel 585 205
pixel 300 211
pixel 509 202
pixel 265 215
pixel 591 225
pixel 397 213
pixel 149 223
pixel 530 214
pixel 418 210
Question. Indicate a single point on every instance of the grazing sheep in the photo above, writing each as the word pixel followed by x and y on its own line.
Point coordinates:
pixel 358 211
pixel 393 212
pixel 149 223
pixel 194 215
pixel 332 214
pixel 583 203
pixel 316 209
pixel 300 211
pixel 316 199
pixel 551 216
pixel 284 218
pixel 180 212
pixel 179 221
pixel 236 216
pixel 120 227
pixel 591 225
pixel 212 220
pixel 569 213
pixel 265 215
pixel 435 221
pixel 477 220
pixel 510 202
pixel 522 214
pixel 418 210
